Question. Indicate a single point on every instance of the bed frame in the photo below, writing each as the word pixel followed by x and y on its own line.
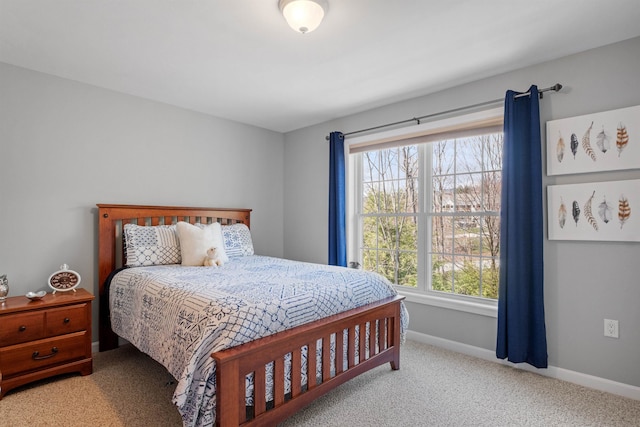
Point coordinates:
pixel 381 319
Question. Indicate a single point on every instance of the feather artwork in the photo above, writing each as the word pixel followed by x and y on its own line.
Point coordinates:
pixel 562 213
pixel 574 144
pixel 588 214
pixel 586 143
pixel 560 148
pixel 602 140
pixel 624 210
pixel 575 211
pixel 605 211
pixel 622 138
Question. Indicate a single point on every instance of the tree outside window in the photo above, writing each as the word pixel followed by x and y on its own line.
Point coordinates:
pixel 461 182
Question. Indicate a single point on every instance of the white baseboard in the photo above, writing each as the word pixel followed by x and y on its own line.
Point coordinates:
pixel 574 377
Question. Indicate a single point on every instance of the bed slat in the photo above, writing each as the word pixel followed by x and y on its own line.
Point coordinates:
pixel 259 391
pixel 296 372
pixel 372 339
pixel 339 351
pixel 362 338
pixel 278 381
pixel 325 363
pixel 311 365
pixel 351 350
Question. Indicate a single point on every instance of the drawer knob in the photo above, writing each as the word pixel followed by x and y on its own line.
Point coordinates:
pixel 36 354
pixel 66 320
pixel 22 328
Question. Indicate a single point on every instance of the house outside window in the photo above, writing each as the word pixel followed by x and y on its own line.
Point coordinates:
pixel 425 208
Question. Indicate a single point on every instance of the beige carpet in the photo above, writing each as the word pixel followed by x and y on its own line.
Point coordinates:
pixel 127 388
pixel 434 387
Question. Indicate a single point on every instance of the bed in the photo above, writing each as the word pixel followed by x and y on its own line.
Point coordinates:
pixel 248 375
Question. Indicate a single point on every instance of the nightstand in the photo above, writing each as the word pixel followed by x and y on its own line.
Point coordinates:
pixel 43 338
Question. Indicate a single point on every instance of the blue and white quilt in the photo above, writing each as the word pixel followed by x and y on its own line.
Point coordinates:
pixel 180 315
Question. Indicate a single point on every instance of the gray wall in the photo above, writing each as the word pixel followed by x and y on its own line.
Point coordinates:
pixel 585 282
pixel 65 146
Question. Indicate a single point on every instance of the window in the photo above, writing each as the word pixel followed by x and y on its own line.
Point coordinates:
pixel 426 209
pixel 464 215
pixel 390 213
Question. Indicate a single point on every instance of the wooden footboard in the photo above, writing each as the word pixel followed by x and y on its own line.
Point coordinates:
pixel 379 346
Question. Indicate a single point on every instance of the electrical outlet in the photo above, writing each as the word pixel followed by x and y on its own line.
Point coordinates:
pixel 610 328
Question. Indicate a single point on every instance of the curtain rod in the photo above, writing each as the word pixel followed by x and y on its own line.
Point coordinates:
pixel 554 88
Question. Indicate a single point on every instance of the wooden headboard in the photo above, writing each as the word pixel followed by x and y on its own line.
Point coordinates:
pixel 111 219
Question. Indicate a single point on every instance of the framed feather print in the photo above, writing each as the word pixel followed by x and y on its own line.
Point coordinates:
pixel 604 141
pixel 608 211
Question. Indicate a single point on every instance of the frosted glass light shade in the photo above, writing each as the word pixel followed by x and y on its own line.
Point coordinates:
pixel 303 16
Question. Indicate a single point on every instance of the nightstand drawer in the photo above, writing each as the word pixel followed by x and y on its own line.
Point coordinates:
pixel 38 354
pixel 21 328
pixel 65 320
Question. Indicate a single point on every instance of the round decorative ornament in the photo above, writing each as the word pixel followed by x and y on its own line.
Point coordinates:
pixel 64 279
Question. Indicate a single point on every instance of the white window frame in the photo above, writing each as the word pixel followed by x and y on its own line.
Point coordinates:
pixel 435 130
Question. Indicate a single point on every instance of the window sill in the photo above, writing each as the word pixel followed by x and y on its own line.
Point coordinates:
pixel 489 309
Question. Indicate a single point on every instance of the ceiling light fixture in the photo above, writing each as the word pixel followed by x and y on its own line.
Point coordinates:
pixel 303 16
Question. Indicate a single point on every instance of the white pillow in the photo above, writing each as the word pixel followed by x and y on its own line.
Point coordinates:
pixel 195 240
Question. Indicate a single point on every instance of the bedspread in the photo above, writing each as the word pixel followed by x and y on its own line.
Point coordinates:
pixel 180 315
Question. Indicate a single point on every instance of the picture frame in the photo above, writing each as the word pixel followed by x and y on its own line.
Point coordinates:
pixel 604 141
pixel 601 211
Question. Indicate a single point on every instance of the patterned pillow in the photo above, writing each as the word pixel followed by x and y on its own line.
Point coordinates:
pixel 237 240
pixel 155 245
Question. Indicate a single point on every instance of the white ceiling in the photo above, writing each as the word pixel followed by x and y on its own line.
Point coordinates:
pixel 239 60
